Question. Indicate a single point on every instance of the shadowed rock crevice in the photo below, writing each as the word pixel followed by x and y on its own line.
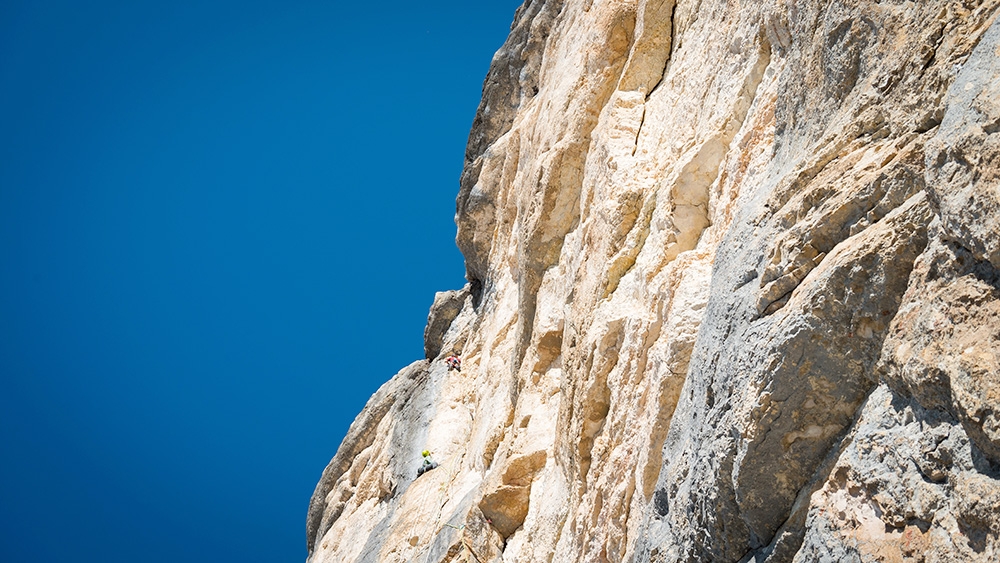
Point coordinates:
pixel 447 305
pixel 649 53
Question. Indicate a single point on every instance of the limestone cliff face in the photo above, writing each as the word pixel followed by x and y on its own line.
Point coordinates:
pixel 734 295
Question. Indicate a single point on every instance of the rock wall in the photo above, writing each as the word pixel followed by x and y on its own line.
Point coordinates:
pixel 734 295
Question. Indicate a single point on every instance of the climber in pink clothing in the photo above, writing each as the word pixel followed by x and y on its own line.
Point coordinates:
pixel 454 363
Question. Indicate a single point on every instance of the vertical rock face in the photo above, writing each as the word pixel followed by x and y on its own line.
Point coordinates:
pixel 734 295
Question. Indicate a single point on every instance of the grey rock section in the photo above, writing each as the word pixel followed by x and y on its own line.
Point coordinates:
pixel 963 175
pixel 766 399
pixel 814 269
pixel 944 346
pixel 919 477
pixel 909 486
pixel 447 305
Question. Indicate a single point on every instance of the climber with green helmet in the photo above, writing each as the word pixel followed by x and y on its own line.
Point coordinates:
pixel 428 463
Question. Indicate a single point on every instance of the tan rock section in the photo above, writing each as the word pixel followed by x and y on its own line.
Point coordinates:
pixel 734 295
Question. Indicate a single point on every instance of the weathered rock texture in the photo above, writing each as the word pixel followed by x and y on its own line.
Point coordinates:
pixel 734 295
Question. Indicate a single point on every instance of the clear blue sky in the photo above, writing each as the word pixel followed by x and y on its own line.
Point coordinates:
pixel 221 227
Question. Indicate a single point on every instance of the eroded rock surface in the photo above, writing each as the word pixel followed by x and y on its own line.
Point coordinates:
pixel 734 295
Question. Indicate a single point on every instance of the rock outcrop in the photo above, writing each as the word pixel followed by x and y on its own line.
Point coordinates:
pixel 734 295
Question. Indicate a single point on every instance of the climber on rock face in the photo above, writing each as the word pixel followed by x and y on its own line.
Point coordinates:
pixel 427 465
pixel 454 363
